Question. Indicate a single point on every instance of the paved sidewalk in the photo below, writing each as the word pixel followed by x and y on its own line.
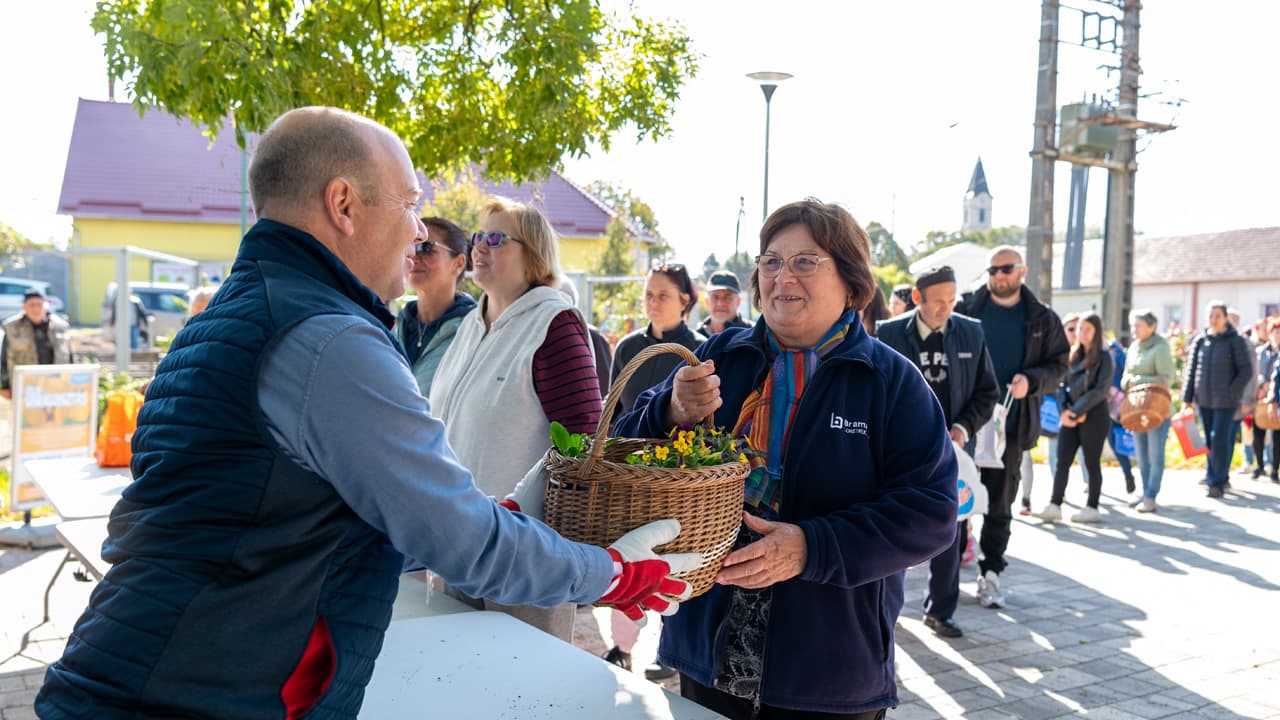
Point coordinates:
pixel 1170 615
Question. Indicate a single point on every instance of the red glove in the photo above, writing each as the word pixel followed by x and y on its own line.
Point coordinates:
pixel 510 504
pixel 644 579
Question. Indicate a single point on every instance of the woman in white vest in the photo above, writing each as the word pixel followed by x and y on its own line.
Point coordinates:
pixel 519 360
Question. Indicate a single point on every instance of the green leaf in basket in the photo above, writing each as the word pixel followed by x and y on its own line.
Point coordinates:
pixel 560 438
pixel 611 442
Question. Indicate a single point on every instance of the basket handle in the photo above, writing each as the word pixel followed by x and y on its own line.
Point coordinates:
pixel 615 394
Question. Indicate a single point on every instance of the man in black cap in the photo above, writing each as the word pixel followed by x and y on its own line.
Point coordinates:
pixel 724 297
pixel 34 336
pixel 951 352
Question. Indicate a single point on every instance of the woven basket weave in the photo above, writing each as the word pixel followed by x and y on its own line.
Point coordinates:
pixel 1145 407
pixel 597 498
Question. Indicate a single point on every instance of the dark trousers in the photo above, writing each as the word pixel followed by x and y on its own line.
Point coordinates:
pixel 1089 436
pixel 1002 490
pixel 738 708
pixel 1260 449
pixel 1217 423
pixel 944 577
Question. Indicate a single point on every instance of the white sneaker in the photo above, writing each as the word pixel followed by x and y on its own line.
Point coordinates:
pixel 1246 469
pixel 1087 515
pixel 989 595
pixel 1051 513
pixel 1147 505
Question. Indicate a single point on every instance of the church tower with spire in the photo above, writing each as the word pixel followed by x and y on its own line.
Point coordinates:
pixel 977 202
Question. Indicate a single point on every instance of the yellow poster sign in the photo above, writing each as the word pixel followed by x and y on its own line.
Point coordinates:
pixel 55 415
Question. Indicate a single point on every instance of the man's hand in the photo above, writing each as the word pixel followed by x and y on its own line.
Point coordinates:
pixel 8 394
pixel 695 394
pixel 776 557
pixel 1068 419
pixel 957 436
pixel 1019 387
pixel 644 581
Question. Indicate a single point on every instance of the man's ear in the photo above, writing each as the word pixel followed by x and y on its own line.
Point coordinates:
pixel 916 297
pixel 339 202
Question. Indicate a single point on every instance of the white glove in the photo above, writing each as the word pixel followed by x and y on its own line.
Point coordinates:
pixel 644 579
pixel 530 494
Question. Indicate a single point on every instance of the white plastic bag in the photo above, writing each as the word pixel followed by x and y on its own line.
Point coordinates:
pixel 970 492
pixel 988 451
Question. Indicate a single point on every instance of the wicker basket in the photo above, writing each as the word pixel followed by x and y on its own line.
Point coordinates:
pixel 1267 417
pixel 1145 407
pixel 597 498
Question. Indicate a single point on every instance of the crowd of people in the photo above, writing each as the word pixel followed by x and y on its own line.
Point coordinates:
pixel 293 535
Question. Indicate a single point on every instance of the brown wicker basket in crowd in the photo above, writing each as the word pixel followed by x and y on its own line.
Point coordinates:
pixel 597 498
pixel 1267 416
pixel 1145 407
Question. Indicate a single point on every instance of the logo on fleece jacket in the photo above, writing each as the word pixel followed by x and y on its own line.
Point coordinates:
pixel 850 427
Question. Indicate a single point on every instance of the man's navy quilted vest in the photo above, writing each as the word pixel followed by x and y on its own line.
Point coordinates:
pixel 225 552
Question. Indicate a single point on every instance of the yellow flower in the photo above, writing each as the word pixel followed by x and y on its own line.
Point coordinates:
pixel 646 456
pixel 715 432
pixel 682 446
pixel 661 452
pixel 742 457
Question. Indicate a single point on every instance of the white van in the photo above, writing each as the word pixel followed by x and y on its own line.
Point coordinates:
pixel 166 305
pixel 11 290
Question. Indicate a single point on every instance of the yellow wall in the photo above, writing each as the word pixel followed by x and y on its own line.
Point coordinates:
pixel 197 241
pixel 581 254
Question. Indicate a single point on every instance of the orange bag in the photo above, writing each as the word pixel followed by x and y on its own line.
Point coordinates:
pixel 115 432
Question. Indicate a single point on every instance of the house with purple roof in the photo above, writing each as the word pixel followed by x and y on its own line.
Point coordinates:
pixel 156 182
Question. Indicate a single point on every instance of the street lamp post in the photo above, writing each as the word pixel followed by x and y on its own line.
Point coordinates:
pixel 768 83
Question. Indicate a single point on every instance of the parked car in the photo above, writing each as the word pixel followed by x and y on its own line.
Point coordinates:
pixel 11 290
pixel 166 305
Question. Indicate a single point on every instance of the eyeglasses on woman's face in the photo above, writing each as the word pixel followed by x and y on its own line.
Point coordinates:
pixel 426 248
pixel 802 264
pixel 492 239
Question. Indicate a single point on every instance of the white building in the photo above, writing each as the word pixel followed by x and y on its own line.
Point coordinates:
pixel 977 202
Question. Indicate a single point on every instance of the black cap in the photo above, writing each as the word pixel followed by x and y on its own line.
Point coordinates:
pixel 723 280
pixel 936 275
pixel 30 293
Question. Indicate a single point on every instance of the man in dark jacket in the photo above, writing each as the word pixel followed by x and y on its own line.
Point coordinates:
pixel 1218 369
pixel 951 352
pixel 1029 353
pixel 724 298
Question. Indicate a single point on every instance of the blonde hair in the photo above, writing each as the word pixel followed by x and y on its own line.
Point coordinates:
pixel 539 239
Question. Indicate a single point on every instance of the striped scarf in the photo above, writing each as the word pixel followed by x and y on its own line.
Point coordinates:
pixel 769 411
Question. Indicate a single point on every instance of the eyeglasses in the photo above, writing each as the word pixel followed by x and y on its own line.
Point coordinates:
pixel 1007 268
pixel 427 247
pixel 493 239
pixel 1070 329
pixel 801 264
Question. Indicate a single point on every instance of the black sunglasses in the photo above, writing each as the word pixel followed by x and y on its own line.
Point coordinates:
pixel 492 239
pixel 1007 268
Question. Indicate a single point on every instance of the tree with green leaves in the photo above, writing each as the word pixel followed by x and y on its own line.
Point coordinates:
pixel 710 265
pixel 741 265
pixel 511 85
pixel 616 299
pixel 13 242
pixel 459 200
pixel 936 240
pixel 884 249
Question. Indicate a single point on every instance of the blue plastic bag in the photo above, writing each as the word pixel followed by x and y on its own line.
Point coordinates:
pixel 1122 441
pixel 1050 417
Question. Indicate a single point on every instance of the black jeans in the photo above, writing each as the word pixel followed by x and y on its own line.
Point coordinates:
pixel 1260 447
pixel 1002 490
pixel 1089 436
pixel 737 708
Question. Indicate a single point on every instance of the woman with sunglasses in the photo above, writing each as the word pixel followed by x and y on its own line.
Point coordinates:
pixel 520 359
pixel 426 325
pixel 669 295
pixel 1085 422
pixel 853 480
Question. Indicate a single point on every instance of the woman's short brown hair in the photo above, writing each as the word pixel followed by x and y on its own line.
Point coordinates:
pixel 540 241
pixel 836 232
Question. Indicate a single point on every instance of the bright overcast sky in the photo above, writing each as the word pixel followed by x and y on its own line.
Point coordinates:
pixel 891 104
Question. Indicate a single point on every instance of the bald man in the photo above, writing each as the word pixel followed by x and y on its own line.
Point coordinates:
pixel 286 465
pixel 1029 353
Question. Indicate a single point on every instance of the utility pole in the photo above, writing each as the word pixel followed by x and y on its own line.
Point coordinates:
pixel 1117 266
pixel 1040 222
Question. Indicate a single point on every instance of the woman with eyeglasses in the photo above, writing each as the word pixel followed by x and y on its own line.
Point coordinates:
pixel 520 359
pixel 853 480
pixel 426 325
pixel 1082 397
pixel 669 295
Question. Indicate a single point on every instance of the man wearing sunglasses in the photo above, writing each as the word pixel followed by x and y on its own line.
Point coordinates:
pixel 286 466
pixel 1029 352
